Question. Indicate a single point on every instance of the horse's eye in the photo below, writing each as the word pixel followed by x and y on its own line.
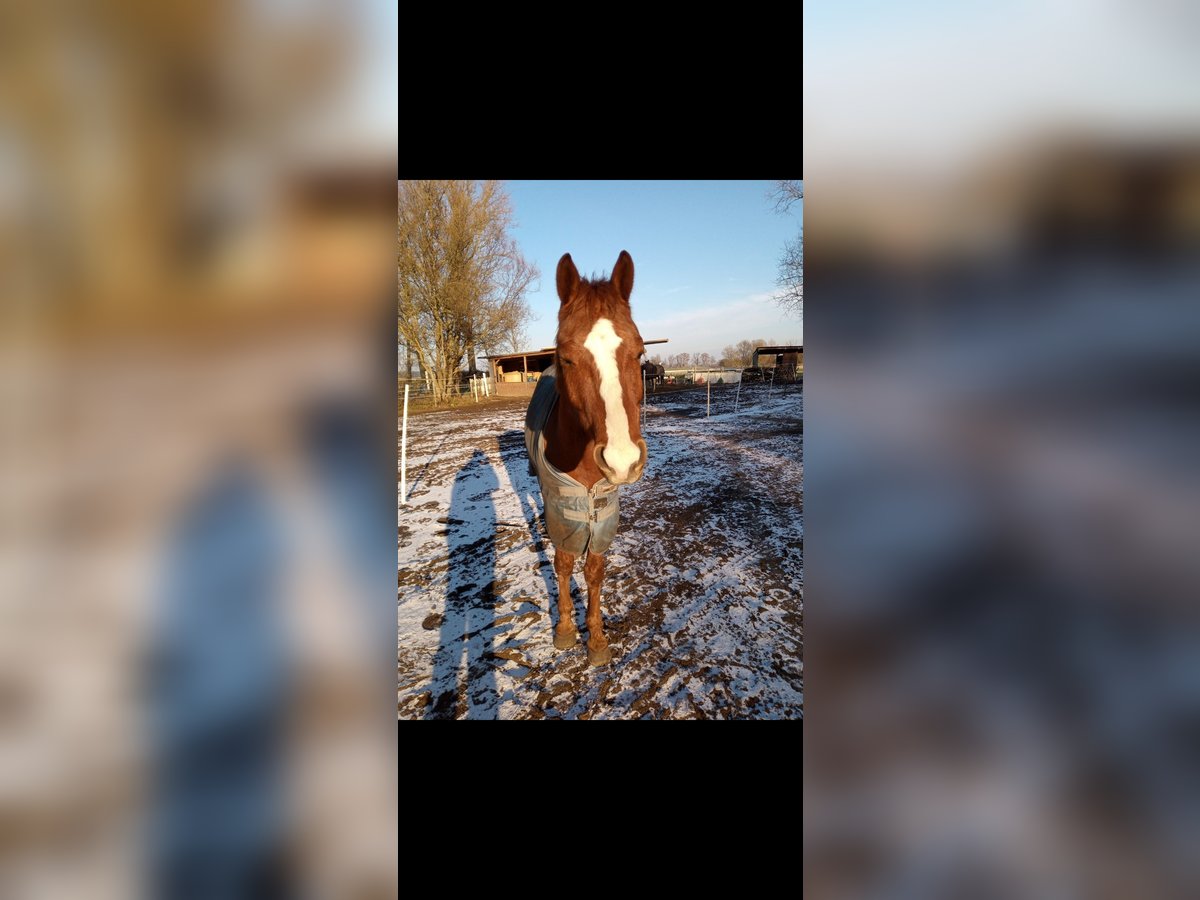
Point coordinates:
pixel 566 362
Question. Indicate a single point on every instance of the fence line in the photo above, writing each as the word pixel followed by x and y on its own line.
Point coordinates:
pixel 480 384
pixel 717 402
pixel 404 453
pixel 701 375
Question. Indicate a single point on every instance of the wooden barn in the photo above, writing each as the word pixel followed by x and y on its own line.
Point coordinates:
pixel 516 374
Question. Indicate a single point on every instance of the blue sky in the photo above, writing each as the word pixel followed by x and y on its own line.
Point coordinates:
pixel 374 90
pixel 932 88
pixel 705 255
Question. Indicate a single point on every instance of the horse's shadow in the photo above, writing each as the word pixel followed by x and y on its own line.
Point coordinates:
pixel 529 495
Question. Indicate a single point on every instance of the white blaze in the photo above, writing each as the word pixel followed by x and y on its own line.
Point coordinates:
pixel 602 342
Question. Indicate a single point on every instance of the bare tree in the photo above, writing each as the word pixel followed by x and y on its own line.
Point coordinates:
pixel 739 355
pixel 461 279
pixel 787 194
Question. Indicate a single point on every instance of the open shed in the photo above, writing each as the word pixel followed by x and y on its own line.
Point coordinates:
pixel 516 374
pixel 783 363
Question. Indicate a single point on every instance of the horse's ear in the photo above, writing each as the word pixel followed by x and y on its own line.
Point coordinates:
pixel 568 277
pixel 622 275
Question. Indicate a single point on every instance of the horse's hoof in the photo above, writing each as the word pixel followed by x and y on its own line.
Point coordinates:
pixel 601 657
pixel 565 641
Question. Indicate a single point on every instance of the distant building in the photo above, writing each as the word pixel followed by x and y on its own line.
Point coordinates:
pixel 516 374
pixel 779 364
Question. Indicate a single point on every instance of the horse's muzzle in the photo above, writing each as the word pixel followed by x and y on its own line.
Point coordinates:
pixel 635 471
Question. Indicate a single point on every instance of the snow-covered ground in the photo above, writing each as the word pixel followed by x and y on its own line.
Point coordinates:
pixel 703 596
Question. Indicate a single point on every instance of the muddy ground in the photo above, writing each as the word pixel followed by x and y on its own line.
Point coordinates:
pixel 703 598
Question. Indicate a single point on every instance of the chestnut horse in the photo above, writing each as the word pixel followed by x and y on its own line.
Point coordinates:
pixel 583 435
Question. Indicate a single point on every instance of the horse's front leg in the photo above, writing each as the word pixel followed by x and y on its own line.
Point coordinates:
pixel 599 652
pixel 566 634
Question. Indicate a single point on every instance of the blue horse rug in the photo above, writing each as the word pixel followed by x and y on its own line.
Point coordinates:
pixel 577 519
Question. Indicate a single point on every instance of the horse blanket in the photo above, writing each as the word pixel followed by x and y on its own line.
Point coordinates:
pixel 577 519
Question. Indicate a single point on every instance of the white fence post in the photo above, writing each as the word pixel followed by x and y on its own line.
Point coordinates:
pixel 404 452
pixel 708 402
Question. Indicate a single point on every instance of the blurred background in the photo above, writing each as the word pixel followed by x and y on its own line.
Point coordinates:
pixel 196 498
pixel 1003 219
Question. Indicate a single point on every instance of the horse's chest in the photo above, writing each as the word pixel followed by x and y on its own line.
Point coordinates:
pixel 578 520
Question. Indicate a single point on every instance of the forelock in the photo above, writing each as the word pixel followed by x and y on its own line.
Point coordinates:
pixel 594 298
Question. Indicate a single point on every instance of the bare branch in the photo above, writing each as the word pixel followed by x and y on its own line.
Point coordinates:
pixel 791 276
pixel 791 264
pixel 786 193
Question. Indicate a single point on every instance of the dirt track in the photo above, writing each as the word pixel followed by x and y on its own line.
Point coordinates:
pixel 703 600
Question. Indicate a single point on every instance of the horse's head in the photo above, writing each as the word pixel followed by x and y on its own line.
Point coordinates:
pixel 599 373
